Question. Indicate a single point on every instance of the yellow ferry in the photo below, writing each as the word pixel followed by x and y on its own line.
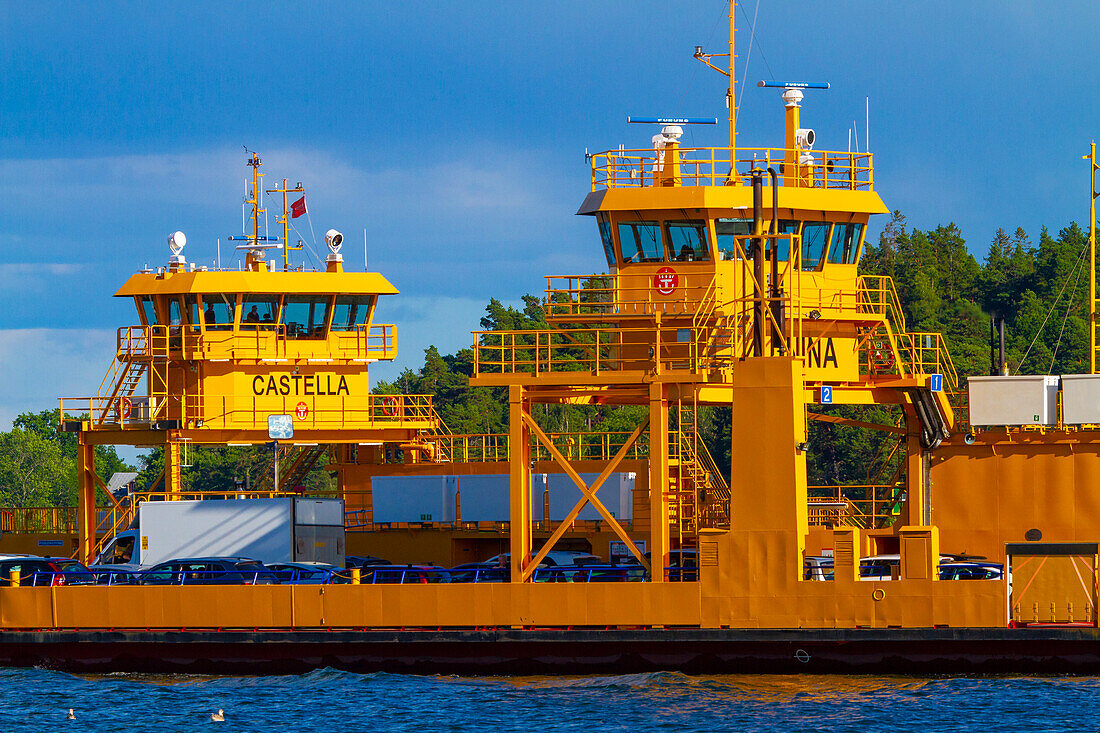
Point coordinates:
pixel 731 280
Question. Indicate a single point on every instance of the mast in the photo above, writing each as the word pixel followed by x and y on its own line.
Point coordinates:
pixel 255 164
pixel 732 101
pixel 285 221
pixel 1092 259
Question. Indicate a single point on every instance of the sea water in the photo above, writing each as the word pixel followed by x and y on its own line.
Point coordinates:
pixel 330 700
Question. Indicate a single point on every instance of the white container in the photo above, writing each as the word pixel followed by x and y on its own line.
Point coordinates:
pixel 1081 399
pixel 1021 400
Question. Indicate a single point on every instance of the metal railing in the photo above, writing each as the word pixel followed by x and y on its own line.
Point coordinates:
pixel 376 341
pixel 864 506
pixel 250 412
pixel 575 446
pixel 717 167
pixel 38 520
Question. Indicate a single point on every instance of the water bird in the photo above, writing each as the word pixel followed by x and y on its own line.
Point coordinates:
pixel 218 717
pixel 71 715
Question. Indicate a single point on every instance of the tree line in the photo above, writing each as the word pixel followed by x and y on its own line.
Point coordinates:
pixel 1039 288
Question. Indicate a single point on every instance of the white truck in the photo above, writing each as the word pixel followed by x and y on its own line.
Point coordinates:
pixel 284 529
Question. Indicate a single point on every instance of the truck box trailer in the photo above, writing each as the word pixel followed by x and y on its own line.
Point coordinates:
pixel 284 529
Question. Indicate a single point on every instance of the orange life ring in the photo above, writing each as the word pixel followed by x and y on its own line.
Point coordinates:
pixel 389 406
pixel 125 408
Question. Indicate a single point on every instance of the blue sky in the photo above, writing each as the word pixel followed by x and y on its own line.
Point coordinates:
pixel 454 133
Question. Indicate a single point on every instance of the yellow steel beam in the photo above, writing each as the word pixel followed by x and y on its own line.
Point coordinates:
pixel 659 541
pixel 100 484
pixel 85 499
pixel 855 423
pixel 588 494
pixel 520 483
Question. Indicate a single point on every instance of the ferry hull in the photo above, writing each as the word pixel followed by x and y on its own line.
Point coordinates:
pixel 553 652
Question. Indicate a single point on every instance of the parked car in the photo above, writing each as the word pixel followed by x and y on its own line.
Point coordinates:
pixel 114 574
pixel 604 573
pixel 479 572
pixel 363 561
pixel 309 573
pixel 76 573
pixel 884 567
pixel 404 574
pixel 817 567
pixel 210 571
pixel 33 570
pixel 554 558
pixel 971 571
pixel 683 565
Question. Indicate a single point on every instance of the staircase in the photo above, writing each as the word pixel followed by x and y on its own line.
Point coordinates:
pixel 123 378
pixel 698 494
pixel 117 519
pixel 299 461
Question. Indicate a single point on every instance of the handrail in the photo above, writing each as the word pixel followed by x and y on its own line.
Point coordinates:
pixel 864 505
pixel 38 520
pixel 374 341
pixel 718 167
pixel 493 447
pixel 251 411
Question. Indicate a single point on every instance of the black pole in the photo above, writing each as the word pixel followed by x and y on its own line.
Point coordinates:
pixel 1004 362
pixel 778 311
pixel 758 262
pixel 993 345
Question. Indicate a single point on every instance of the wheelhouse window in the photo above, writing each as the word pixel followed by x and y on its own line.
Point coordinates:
pixel 217 313
pixel 815 236
pixel 605 237
pixel 787 226
pixel 305 316
pixel 687 241
pixel 148 310
pixel 351 311
pixel 259 312
pixel 175 313
pixel 845 244
pixel 640 241
pixel 191 309
pixel 727 231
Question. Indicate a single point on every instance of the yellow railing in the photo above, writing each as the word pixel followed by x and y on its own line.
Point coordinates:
pixel 578 446
pixel 713 167
pixel 595 350
pixel 926 353
pixel 601 295
pixel 878 295
pixel 249 412
pixel 865 506
pixel 37 519
pixel 254 341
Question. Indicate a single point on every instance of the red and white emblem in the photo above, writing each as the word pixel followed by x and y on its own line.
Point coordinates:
pixel 666 280
pixel 301 410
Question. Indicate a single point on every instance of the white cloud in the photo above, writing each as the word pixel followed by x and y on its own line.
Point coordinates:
pixel 41 364
pixel 215 178
pixel 28 276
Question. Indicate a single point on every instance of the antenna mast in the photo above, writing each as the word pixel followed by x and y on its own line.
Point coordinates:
pixel 255 164
pixel 731 101
pixel 285 221
pixel 1091 158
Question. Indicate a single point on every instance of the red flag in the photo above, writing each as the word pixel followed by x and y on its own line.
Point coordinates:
pixel 298 208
